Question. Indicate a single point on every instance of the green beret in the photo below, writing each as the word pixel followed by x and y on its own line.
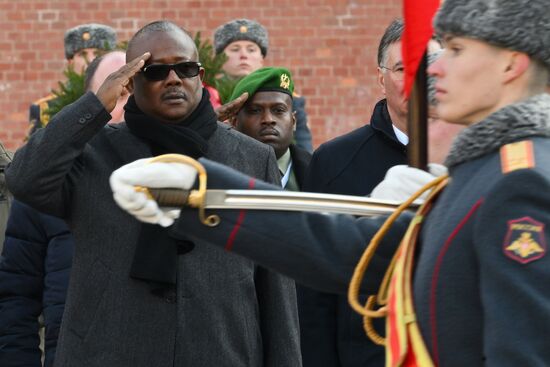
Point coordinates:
pixel 265 80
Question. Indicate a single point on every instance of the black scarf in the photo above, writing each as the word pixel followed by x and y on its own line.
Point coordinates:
pixel 155 258
pixel 189 137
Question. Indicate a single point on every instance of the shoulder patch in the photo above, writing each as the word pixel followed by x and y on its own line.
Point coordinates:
pixel 525 240
pixel 516 156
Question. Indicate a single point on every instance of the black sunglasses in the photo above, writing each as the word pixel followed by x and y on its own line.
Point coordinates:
pixel 186 69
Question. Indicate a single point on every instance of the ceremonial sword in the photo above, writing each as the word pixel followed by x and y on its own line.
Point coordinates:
pixel 203 199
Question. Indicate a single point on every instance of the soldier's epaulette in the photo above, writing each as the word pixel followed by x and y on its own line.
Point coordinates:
pixel 43 104
pixel 519 155
pixel 44 99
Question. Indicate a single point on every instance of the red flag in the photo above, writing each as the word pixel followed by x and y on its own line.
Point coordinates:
pixel 418 31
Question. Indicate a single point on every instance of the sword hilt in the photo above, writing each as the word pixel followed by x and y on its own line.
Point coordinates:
pixel 178 197
pixel 170 197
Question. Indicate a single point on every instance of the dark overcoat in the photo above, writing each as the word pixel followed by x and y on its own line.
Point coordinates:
pixel 225 311
pixel 332 334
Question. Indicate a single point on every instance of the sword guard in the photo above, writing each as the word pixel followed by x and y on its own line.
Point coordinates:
pixel 179 197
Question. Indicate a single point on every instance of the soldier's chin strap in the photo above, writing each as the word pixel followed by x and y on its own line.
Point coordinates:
pixel 381 298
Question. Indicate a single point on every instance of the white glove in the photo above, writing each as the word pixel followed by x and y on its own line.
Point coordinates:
pixel 153 175
pixel 402 181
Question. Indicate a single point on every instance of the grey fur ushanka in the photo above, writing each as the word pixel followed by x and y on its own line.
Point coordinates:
pixel 520 25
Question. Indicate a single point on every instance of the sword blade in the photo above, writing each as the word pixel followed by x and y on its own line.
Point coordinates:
pixel 280 200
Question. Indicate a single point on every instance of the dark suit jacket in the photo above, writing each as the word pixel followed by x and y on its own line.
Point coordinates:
pixel 300 163
pixel 225 311
pixel 353 164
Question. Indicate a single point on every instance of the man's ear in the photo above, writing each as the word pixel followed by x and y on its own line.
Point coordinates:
pixel 294 121
pixel 130 85
pixel 518 63
pixel 380 80
pixel 201 74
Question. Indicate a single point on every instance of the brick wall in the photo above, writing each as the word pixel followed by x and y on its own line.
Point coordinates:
pixel 329 45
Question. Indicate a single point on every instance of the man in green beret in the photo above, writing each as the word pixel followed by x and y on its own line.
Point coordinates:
pixel 267 116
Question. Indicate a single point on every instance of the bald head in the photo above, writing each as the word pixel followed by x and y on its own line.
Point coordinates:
pixel 100 68
pixel 135 48
pixel 174 97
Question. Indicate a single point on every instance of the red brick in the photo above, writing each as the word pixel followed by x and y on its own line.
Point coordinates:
pixel 330 45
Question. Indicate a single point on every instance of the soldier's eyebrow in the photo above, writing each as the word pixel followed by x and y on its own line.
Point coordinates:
pixel 446 39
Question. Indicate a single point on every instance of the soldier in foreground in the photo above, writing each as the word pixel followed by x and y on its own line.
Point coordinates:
pixel 482 261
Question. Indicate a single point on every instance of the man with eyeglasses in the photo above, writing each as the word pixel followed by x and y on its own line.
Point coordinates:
pixel 353 164
pixel 137 296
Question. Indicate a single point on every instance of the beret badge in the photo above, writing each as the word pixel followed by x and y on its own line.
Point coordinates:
pixel 285 81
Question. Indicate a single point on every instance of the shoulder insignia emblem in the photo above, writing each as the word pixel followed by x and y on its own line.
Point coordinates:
pixel 285 81
pixel 243 29
pixel 48 98
pixel 525 240
pixel 44 117
pixel 516 156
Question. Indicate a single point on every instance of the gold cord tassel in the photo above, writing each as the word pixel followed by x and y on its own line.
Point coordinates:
pixel 368 312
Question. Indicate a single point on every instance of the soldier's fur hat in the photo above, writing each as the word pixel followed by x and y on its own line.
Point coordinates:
pixel 240 30
pixel 89 36
pixel 519 25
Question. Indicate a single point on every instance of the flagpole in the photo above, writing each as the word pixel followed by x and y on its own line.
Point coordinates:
pixel 417 149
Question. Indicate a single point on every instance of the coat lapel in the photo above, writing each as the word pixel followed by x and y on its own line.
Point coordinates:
pixel 126 146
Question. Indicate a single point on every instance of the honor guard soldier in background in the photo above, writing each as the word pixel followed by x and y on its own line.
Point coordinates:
pixel 82 43
pixel 469 286
pixel 245 43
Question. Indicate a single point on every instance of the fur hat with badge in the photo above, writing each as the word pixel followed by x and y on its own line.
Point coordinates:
pixel 240 30
pixel 519 25
pixel 91 35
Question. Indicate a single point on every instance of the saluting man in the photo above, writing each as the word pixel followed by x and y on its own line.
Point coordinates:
pixel 480 281
pixel 138 297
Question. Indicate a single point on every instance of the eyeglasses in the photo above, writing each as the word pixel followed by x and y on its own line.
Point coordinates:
pixel 398 71
pixel 186 69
